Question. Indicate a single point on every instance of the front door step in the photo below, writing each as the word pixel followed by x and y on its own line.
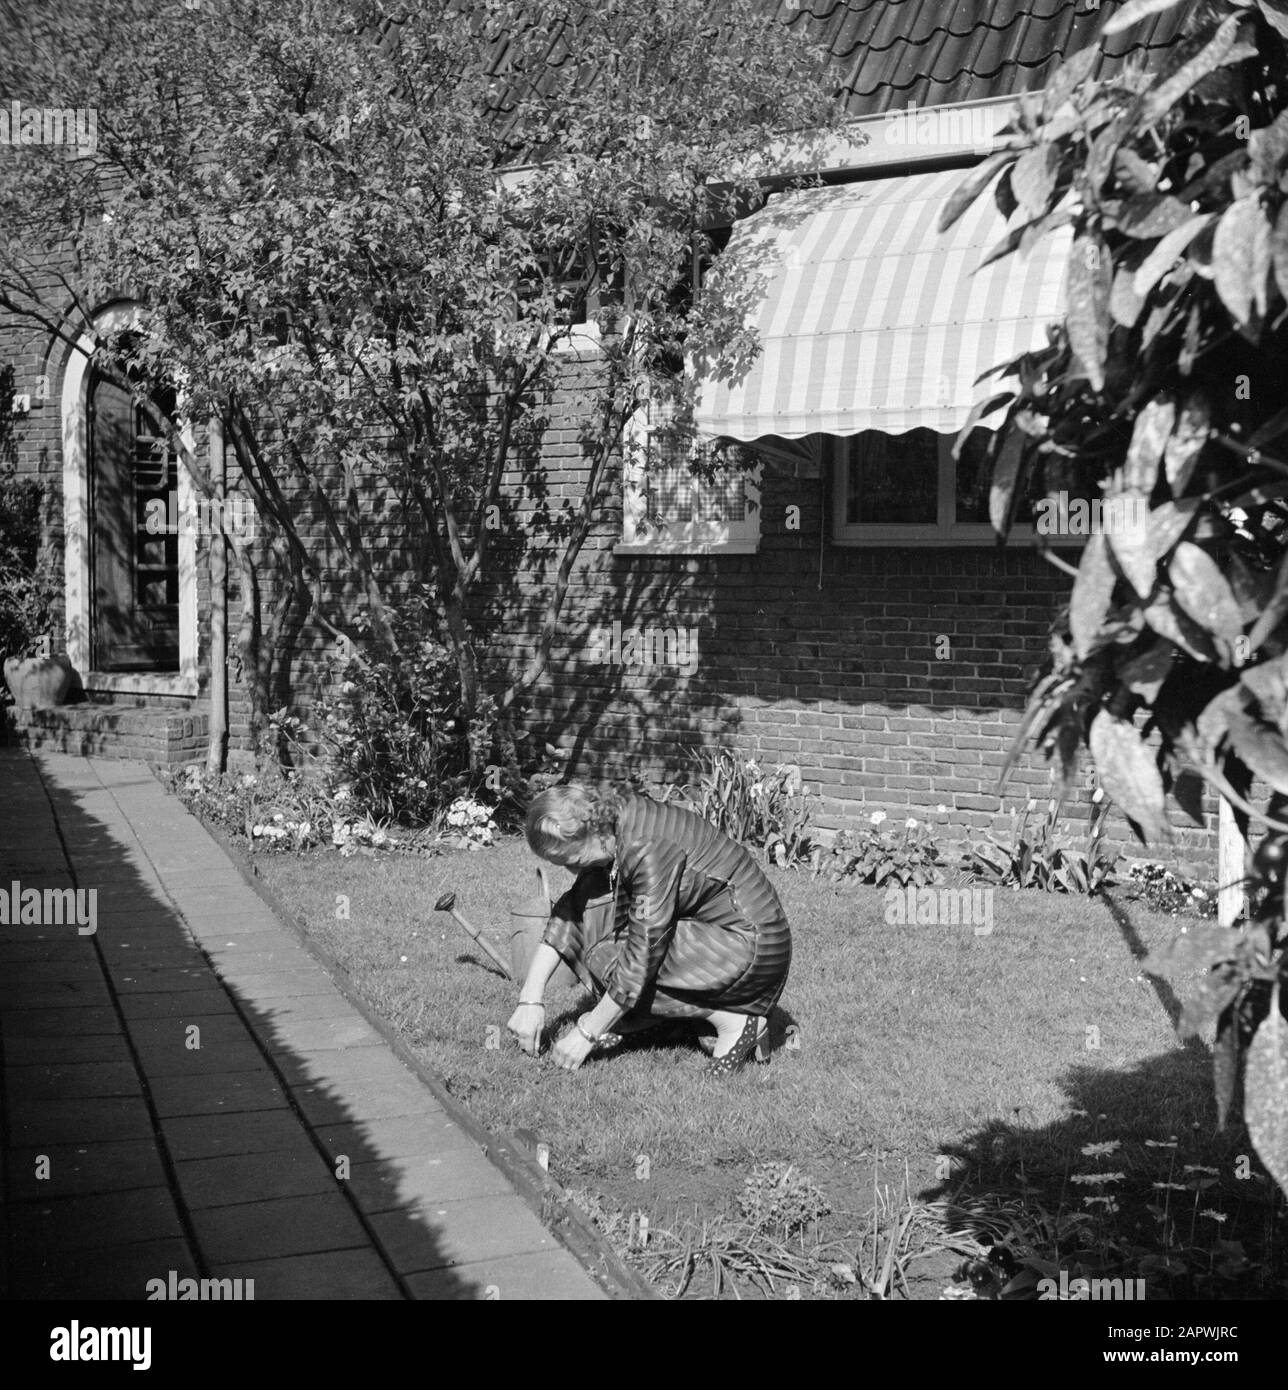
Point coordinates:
pixel 163 737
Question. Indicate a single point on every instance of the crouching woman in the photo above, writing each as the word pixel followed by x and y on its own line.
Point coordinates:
pixel 668 919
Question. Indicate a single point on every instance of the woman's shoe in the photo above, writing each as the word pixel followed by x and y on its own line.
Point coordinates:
pixel 753 1038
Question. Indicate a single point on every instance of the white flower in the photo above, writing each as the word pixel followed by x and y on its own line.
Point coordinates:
pixel 257 830
pixel 305 828
pixel 1100 1150
pixel 1215 1215
pixel 279 817
pixel 910 823
pixel 876 818
pixel 422 784
pixel 1098 795
pixel 379 838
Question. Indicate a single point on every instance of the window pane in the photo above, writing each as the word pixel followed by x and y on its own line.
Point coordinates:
pixel 892 478
pixel 973 476
pixel 974 473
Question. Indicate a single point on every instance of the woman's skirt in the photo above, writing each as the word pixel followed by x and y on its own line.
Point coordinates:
pixel 723 960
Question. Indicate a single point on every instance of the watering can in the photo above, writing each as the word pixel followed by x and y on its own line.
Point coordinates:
pixel 529 918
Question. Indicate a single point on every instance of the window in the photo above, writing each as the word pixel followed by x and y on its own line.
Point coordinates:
pixel 680 496
pixel 683 494
pixel 908 488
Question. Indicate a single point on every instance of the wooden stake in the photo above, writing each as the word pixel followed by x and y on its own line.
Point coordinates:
pixel 1230 867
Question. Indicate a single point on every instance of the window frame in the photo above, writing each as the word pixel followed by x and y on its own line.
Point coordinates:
pixel 699 537
pixel 945 530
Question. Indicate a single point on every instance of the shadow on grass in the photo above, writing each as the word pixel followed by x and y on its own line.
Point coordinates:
pixel 212 1163
pixel 670 1035
pixel 1157 1120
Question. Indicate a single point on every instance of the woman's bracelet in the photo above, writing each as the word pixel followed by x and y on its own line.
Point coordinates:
pixel 590 1037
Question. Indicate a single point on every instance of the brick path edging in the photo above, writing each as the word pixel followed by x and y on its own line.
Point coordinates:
pixel 544 1195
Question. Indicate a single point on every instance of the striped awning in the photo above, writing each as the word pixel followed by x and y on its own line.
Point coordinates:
pixel 867 318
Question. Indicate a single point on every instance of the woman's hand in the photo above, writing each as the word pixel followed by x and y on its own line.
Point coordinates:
pixel 526 1023
pixel 571 1049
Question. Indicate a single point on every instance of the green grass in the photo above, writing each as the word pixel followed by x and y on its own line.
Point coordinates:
pixel 920 1048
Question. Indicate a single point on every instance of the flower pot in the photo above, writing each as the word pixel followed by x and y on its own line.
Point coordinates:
pixel 39 682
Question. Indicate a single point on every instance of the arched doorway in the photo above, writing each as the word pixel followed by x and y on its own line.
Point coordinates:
pixel 134 541
pixel 131 590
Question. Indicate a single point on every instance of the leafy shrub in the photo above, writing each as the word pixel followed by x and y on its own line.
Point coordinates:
pixel 25 596
pixel 764 810
pixel 1034 856
pixel 779 1197
pixel 1166 891
pixel 391 728
pixel 877 856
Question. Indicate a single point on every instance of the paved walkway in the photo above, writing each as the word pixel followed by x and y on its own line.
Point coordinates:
pixel 187 1094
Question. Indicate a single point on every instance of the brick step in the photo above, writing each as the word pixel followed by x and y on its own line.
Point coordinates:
pixel 165 737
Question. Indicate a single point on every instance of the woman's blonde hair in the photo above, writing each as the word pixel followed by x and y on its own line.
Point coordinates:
pixel 571 813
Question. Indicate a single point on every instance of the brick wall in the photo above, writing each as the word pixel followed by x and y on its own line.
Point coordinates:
pixel 894 678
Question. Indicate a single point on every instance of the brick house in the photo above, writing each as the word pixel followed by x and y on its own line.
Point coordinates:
pixel 842 607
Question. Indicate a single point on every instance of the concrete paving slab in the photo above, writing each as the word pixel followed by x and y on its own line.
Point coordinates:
pixel 285 984
pixel 77 1169
pixel 284 1226
pixel 213 1136
pixel 299 1036
pixel 176 1058
pixel 70 994
pixel 82 1121
pixel 400 1137
pixel 97 1220
pixel 184 1003
pixel 545 1274
pixel 68 1080
pixel 400 1183
pixel 88 1047
pixel 465 1232
pixel 338 1274
pixel 58 1023
pixel 257 1177
pixel 217 1093
pixel 69 1275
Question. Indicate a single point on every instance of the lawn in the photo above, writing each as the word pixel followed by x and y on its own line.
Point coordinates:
pixel 910 1062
